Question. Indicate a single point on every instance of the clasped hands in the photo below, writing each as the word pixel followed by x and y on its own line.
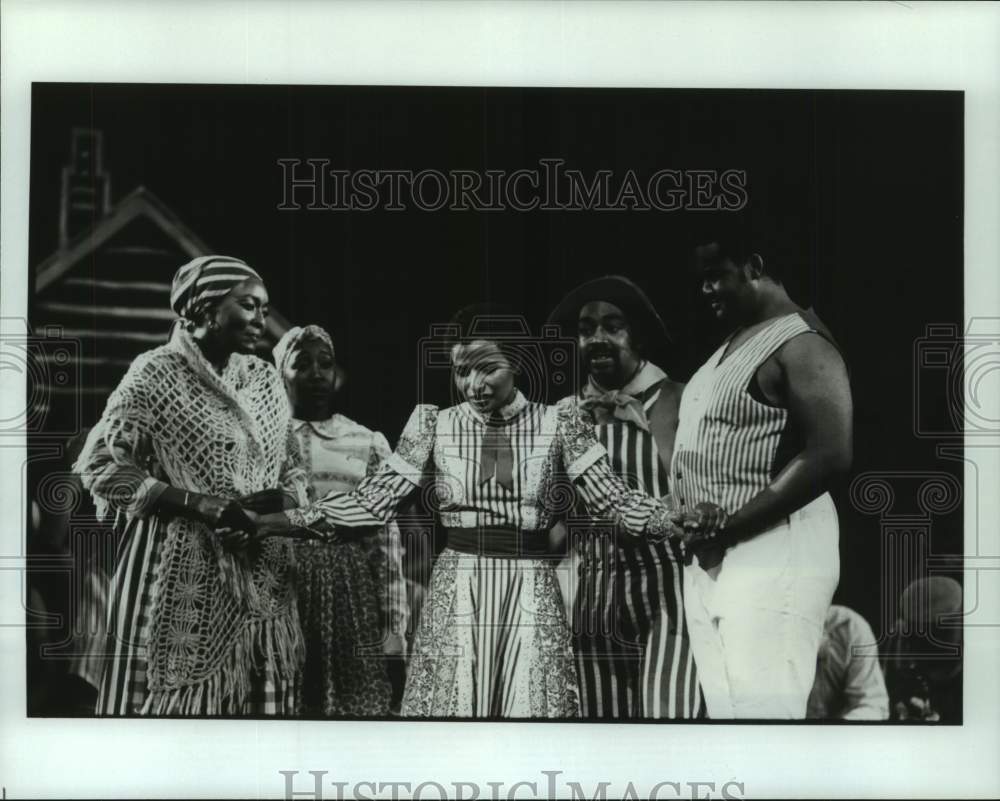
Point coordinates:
pixel 701 530
pixel 237 521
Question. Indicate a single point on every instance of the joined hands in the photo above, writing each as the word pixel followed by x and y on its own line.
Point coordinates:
pixel 260 515
pixel 702 530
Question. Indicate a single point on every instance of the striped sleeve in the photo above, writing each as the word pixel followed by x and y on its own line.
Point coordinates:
pixel 375 499
pixel 388 555
pixel 607 496
pixel 294 479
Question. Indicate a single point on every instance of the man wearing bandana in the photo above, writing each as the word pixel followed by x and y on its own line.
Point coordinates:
pixel 630 637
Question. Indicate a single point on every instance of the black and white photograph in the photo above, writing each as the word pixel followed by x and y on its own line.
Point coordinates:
pixel 660 410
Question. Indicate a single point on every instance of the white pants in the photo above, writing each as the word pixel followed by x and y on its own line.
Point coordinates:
pixel 756 620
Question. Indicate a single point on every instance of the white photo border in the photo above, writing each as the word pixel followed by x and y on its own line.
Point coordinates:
pixel 718 45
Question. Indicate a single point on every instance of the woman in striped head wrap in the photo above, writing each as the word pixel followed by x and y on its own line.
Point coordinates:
pixel 202 622
pixel 223 303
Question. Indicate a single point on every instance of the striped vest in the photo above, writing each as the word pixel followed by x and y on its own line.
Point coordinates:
pixel 726 439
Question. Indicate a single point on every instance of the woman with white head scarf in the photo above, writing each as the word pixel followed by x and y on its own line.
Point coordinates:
pixel 352 596
pixel 500 469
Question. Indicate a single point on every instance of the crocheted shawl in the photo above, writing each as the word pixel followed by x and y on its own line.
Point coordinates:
pixel 215 616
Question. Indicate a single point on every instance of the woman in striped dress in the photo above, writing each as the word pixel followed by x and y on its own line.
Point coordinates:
pixel 352 595
pixel 199 624
pixel 493 640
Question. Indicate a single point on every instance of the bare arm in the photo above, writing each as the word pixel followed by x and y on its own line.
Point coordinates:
pixel 813 380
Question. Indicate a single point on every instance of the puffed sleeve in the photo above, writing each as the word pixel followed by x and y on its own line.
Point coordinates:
pixel 375 499
pixel 114 463
pixel 602 491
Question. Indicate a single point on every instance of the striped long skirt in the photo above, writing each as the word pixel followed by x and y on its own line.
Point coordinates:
pixel 124 689
pixel 493 642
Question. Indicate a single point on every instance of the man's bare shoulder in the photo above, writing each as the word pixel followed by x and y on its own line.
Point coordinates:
pixel 810 348
pixel 671 390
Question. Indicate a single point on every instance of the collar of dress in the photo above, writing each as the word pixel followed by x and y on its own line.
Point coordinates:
pixel 508 412
pixel 327 429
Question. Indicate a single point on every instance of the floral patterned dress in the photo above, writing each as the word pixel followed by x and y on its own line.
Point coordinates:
pixel 493 640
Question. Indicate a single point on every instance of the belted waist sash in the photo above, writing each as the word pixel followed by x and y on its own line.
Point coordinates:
pixel 501 542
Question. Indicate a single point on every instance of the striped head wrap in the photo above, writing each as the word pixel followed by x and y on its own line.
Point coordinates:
pixel 292 338
pixel 204 281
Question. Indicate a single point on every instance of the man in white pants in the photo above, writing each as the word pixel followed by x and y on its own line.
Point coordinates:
pixel 765 429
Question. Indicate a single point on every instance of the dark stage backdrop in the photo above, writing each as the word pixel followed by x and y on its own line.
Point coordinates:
pixel 857 194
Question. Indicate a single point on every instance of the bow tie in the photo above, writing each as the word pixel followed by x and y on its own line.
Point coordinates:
pixel 497 458
pixel 616 405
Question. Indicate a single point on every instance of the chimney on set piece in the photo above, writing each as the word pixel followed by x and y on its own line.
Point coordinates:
pixel 86 188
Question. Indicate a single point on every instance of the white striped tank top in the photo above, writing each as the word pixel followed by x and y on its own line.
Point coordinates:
pixel 726 439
